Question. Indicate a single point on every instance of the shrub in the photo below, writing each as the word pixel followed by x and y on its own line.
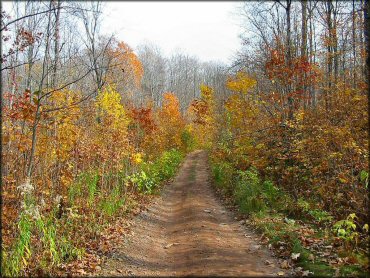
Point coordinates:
pixel 248 191
pixel 165 166
pixel 188 140
pixel 153 173
pixel 142 181
pixel 223 173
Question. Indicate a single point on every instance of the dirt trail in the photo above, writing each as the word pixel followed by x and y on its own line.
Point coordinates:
pixel 187 231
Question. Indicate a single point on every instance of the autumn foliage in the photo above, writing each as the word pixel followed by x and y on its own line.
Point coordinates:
pixel 316 152
pixel 80 149
pixel 91 159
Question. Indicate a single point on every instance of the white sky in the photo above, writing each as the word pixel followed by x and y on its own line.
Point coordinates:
pixel 207 30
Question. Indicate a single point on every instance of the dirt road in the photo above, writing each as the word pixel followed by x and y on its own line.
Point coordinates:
pixel 187 231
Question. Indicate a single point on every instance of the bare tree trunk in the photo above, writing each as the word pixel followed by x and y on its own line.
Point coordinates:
pixel 289 57
pixel 367 41
pixel 329 11
pixel 354 43
pixel 362 42
pixel 56 44
pixel 335 43
pixel 312 88
pixel 304 42
pixel 38 104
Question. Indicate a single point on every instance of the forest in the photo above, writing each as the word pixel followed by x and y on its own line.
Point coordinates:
pixel 93 131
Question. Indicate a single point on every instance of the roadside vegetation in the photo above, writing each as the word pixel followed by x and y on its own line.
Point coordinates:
pixel 91 130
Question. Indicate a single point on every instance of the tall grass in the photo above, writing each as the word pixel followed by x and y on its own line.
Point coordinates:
pixel 49 240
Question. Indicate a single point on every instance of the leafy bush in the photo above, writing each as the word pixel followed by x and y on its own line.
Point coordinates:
pixel 153 173
pixel 346 229
pixel 142 181
pixel 320 215
pixel 165 166
pixel 248 191
pixel 223 174
pixel 168 164
pixel 271 194
pixel 188 140
pixel 14 262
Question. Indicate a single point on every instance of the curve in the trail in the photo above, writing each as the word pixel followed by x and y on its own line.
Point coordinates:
pixel 187 231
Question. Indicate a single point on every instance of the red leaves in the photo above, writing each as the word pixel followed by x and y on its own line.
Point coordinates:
pixel 298 70
pixel 143 116
pixel 19 107
pixel 24 38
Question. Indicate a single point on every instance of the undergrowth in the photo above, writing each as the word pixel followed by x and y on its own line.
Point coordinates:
pixel 285 222
pixel 48 238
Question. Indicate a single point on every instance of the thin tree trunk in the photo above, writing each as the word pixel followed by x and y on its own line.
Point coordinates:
pixel 304 44
pixel 312 89
pixel 38 105
pixel 289 58
pixel 329 8
pixel 56 44
pixel 367 42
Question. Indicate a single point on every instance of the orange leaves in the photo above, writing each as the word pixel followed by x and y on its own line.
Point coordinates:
pixel 171 106
pixel 130 60
pixel 127 66
pixel 199 109
pixel 171 122
pixel 202 108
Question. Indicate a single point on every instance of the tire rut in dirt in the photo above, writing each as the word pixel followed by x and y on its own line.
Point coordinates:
pixel 188 232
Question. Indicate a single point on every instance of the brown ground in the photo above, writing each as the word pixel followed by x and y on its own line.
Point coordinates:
pixel 187 231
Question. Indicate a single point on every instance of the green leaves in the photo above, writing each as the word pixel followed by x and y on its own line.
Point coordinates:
pixel 143 182
pixel 152 174
pixel 346 229
pixel 364 177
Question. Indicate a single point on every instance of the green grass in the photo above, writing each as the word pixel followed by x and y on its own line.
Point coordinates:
pixel 154 173
pixel 353 270
pixel 113 202
pixel 223 173
pixel 88 209
pixel 268 208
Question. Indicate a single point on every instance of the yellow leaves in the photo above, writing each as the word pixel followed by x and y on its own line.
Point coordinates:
pixel 260 146
pixel 203 116
pixel 241 107
pixel 57 145
pixel 206 92
pixel 137 158
pixel 300 116
pixel 109 102
pixel 240 83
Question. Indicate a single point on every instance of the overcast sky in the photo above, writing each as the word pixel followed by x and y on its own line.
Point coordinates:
pixel 207 30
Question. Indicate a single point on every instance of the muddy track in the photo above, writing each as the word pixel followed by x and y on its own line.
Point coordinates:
pixel 187 231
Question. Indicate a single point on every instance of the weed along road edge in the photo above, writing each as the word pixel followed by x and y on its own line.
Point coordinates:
pixel 187 231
